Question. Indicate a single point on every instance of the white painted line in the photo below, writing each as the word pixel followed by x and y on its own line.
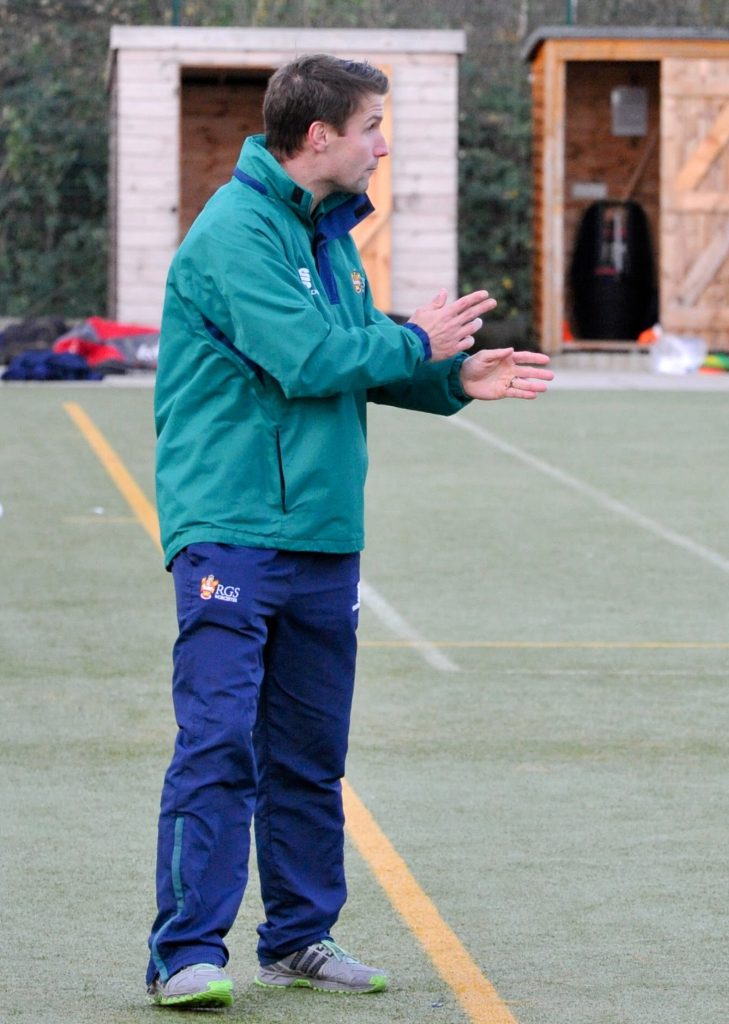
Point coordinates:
pixel 679 540
pixel 392 620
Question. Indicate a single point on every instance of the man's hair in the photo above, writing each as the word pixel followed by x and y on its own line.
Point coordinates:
pixel 316 87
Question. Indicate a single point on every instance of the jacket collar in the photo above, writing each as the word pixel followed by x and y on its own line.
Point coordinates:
pixel 334 216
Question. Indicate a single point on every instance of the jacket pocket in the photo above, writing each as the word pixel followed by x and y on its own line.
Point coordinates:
pixel 281 474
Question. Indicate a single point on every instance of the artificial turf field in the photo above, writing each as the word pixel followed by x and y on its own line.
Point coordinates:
pixel 540 726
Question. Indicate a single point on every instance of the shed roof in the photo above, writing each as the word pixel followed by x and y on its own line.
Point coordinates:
pixel 296 40
pixel 541 35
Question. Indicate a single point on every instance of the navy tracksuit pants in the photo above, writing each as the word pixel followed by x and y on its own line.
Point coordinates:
pixel 262 689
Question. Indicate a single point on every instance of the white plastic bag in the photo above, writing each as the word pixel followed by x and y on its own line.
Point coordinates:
pixel 673 353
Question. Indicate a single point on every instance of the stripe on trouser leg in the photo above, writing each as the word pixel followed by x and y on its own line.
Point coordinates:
pixel 179 897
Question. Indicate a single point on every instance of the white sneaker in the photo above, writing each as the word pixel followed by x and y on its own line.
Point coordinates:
pixel 196 985
pixel 324 967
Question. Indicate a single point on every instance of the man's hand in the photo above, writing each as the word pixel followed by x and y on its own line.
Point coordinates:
pixel 451 325
pixel 503 373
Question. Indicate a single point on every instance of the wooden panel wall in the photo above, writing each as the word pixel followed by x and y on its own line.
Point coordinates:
pixel 424 160
pixel 217 111
pixel 147 182
pixel 695 269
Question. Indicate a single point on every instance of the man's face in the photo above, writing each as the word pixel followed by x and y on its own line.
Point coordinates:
pixel 352 157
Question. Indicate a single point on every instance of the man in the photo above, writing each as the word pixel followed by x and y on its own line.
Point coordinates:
pixel 270 349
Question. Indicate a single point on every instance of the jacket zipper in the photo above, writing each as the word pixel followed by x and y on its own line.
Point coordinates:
pixel 282 478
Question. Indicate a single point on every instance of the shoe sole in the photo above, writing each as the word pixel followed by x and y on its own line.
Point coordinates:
pixel 378 983
pixel 217 994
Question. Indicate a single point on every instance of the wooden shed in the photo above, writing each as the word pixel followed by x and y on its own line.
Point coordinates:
pixel 183 99
pixel 638 116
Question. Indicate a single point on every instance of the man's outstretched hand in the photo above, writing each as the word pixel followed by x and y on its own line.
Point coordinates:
pixel 505 373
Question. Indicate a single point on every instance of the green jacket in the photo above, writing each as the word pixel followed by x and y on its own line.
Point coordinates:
pixel 270 349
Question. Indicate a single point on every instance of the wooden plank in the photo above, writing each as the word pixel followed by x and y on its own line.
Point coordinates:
pixel 147 257
pixel 143 89
pixel 699 78
pixel 434 271
pixel 290 41
pixel 700 202
pixel 434 266
pixel 421 138
pixel 136 195
pixel 695 318
pixel 416 288
pixel 160 102
pixel 553 206
pixel 145 67
pixel 695 198
pixel 410 61
pixel 159 128
pixel 416 93
pixel 409 169
pixel 438 242
pixel 427 80
pixel 637 49
pixel 136 165
pixel 423 115
pixel 538 121
pixel 150 292
pixel 420 242
pixel 444 224
pixel 131 309
pixel 704 269
pixel 411 201
pixel 409 192
pixel 701 159
pixel 602 345
pixel 145 227
pixel 137 241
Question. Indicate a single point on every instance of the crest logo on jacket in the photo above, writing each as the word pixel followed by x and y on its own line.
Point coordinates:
pixel 358 282
pixel 210 587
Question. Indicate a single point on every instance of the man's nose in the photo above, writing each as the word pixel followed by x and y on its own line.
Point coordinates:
pixel 381 147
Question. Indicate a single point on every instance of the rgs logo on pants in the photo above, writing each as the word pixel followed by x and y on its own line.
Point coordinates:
pixel 210 587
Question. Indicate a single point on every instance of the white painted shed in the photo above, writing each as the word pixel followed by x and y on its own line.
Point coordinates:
pixel 183 99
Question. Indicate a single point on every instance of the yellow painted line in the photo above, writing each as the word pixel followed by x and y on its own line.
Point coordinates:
pixel 474 992
pixel 138 502
pixel 102 519
pixel 560 645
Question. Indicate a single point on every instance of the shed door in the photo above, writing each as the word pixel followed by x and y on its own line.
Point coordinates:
pixel 695 199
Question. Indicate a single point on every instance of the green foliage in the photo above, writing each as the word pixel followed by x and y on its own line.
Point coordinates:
pixel 495 229
pixel 53 166
pixel 54 127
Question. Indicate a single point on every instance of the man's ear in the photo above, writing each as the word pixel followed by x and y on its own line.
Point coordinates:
pixel 318 136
